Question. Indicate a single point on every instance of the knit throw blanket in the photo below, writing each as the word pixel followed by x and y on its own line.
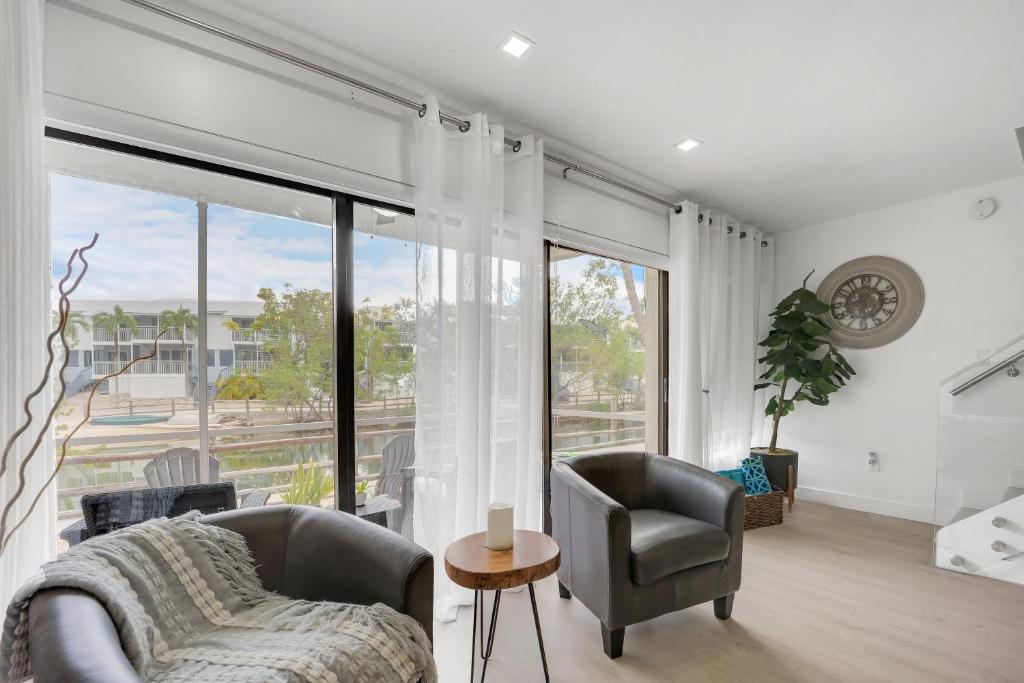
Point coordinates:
pixel 189 606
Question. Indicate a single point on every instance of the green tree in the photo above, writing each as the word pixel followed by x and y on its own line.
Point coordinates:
pixel 380 355
pixel 180 321
pixel 588 325
pixel 76 324
pixel 299 323
pixel 112 323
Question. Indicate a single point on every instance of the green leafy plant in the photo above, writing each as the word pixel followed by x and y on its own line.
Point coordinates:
pixel 240 386
pixel 362 487
pixel 179 321
pixel 800 354
pixel 309 485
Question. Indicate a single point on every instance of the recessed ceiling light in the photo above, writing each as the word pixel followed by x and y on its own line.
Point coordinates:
pixel 688 144
pixel 516 44
pixel 387 213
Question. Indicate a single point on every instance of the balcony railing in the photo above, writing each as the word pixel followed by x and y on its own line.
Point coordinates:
pixel 144 367
pixel 571 366
pixel 252 336
pixel 142 333
pixel 252 366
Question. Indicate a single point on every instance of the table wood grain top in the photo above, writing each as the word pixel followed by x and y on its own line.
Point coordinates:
pixel 472 564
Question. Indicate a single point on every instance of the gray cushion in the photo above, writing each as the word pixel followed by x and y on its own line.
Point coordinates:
pixel 664 543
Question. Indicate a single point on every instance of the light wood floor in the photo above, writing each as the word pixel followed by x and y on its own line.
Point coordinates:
pixel 830 595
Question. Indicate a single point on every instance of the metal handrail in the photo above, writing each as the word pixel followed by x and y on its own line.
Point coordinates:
pixel 978 379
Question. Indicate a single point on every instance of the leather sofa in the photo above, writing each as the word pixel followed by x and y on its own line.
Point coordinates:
pixel 643 535
pixel 302 552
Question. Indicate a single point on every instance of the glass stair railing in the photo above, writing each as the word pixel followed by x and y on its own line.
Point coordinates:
pixel 979 477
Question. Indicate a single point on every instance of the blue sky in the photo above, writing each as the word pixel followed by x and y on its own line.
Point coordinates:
pixel 148 249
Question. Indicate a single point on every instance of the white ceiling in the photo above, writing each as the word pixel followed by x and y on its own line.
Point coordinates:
pixel 809 109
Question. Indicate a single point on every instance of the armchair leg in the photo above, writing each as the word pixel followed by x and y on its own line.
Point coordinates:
pixel 723 606
pixel 563 592
pixel 612 641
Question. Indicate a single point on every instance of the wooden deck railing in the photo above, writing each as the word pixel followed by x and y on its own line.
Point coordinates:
pixel 625 431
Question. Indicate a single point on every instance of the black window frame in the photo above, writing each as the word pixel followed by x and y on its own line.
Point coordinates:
pixel 343 204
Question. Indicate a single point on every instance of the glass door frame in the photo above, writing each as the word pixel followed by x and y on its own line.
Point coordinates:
pixel 343 284
pixel 662 361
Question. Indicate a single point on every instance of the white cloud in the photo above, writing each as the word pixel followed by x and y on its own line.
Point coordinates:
pixel 148 245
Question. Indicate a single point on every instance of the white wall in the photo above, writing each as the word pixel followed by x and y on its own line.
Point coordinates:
pixel 118 69
pixel 973 273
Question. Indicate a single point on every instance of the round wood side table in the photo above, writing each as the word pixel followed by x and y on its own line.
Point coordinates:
pixel 471 564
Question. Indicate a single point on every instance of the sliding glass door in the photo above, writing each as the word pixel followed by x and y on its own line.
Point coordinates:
pixel 203 331
pixel 606 354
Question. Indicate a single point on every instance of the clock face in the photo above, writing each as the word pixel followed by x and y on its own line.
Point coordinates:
pixel 865 302
pixel 872 301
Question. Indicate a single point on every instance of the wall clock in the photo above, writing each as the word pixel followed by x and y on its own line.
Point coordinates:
pixel 872 301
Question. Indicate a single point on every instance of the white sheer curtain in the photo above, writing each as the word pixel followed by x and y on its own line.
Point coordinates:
pixel 479 263
pixel 721 277
pixel 24 284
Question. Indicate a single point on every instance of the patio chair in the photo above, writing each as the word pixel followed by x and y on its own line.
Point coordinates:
pixel 180 466
pixel 398 455
pixel 173 468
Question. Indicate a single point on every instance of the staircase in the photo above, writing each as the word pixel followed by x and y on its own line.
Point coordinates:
pixel 80 382
pixel 986 542
pixel 979 482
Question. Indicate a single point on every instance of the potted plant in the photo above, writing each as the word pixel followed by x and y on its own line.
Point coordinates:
pixel 805 366
pixel 309 486
pixel 361 489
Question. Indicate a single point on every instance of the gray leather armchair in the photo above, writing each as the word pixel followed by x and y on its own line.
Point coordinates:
pixel 302 552
pixel 643 535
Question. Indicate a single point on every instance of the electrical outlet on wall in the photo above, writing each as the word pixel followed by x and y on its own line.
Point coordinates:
pixel 872 461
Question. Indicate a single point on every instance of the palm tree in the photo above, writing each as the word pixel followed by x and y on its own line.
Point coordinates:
pixel 76 323
pixel 112 324
pixel 180 320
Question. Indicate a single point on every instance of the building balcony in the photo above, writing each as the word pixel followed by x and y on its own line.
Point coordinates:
pixel 142 333
pixel 254 367
pixel 252 336
pixel 143 367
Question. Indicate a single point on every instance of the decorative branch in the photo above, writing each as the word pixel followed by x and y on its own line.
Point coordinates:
pixel 5 539
pixel 64 308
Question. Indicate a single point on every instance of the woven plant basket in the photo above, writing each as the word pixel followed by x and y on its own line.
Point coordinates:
pixel 763 510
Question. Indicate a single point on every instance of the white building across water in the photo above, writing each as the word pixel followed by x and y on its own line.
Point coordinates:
pixel 232 346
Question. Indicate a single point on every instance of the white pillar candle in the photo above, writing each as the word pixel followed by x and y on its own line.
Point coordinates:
pixel 499 526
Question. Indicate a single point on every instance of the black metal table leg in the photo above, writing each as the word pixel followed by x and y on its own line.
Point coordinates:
pixel 540 638
pixel 486 654
pixel 481 594
pixel 488 647
pixel 472 641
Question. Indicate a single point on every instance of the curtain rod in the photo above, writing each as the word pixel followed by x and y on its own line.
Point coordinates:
pixel 462 124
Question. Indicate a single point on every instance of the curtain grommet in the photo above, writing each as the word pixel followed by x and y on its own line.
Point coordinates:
pixel 423 110
pixel 517 145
